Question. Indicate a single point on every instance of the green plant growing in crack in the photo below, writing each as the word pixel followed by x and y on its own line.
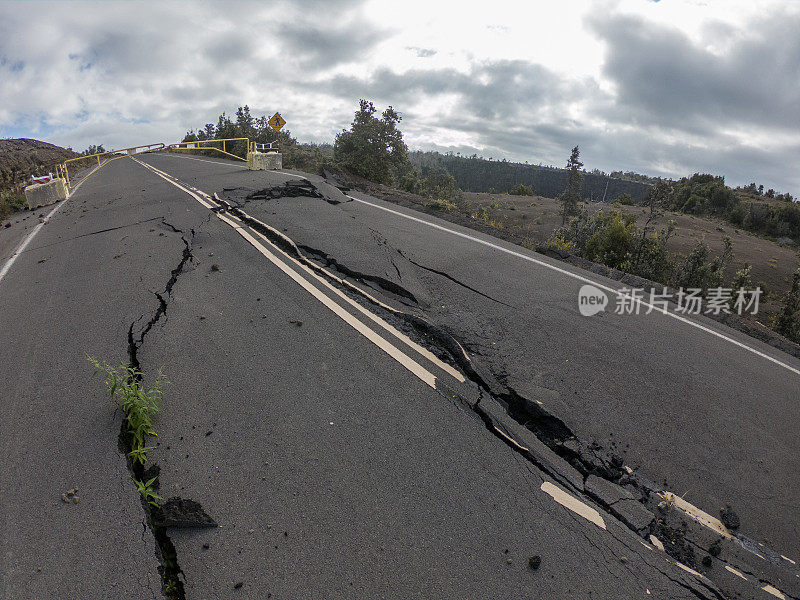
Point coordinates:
pixel 140 405
pixel 147 490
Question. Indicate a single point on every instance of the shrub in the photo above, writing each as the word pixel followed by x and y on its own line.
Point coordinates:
pixel 559 243
pixel 437 184
pixel 624 200
pixel 652 260
pixel 521 190
pixel 742 278
pixel 701 271
pixel 611 243
pixel 442 204
pixel 788 321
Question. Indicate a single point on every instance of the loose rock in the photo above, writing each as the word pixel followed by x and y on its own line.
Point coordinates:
pixel 729 518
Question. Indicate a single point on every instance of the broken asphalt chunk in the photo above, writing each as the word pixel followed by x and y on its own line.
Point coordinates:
pixel 622 503
pixel 183 513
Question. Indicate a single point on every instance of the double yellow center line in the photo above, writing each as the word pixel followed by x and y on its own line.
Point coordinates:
pixel 293 268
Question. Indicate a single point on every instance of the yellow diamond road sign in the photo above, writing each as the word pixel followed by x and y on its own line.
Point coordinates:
pixel 277 121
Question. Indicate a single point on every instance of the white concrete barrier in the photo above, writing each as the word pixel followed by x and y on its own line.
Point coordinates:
pixel 264 161
pixel 42 194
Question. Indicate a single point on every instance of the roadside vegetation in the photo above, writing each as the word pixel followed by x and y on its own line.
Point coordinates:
pixel 788 321
pixel 11 201
pixel 373 148
pixel 776 216
pixel 613 239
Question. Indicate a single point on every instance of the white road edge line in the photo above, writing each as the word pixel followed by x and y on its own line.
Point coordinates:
pixel 29 238
pixel 583 279
pixel 572 503
pixel 406 361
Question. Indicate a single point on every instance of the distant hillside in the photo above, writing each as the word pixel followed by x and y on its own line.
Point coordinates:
pixel 476 174
pixel 21 158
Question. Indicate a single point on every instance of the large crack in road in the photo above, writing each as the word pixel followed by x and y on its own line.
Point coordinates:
pixel 553 432
pixel 175 511
pixel 590 461
pixel 634 499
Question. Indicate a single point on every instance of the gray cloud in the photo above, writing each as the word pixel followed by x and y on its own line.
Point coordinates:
pixel 132 72
pixel 490 91
pixel 422 52
pixel 321 45
pixel 663 77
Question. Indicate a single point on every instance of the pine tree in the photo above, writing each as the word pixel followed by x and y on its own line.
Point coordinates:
pixel 373 148
pixel 572 194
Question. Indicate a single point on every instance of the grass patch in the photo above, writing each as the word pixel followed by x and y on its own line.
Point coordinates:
pixel 442 204
pixel 11 201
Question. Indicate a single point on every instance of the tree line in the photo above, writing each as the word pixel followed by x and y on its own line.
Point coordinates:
pixel 477 174
pixel 776 215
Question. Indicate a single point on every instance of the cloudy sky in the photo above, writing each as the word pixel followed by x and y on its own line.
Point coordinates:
pixel 663 88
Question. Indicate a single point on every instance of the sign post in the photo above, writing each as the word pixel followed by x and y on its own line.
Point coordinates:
pixel 260 161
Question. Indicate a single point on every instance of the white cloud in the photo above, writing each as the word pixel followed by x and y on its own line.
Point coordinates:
pixel 650 86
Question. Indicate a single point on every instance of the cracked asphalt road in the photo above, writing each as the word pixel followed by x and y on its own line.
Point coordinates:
pixel 331 470
pixel 74 292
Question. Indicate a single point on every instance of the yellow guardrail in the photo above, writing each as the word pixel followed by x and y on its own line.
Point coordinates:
pixel 102 159
pixel 206 145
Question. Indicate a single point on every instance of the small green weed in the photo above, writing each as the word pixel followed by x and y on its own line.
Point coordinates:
pixel 139 405
pixel 147 490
